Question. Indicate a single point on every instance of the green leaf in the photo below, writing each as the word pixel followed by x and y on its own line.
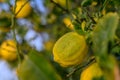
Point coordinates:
pixel 104 32
pixel 5 22
pixel 78 28
pixel 117 2
pixel 102 35
pixel 86 3
pixel 36 67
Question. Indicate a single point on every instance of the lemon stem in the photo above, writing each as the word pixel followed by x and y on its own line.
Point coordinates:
pixel 92 60
pixel 67 4
pixel 104 5
pixel 66 10
pixel 14 34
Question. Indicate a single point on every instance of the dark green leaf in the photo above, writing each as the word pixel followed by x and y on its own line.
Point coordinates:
pixel 86 3
pixel 5 22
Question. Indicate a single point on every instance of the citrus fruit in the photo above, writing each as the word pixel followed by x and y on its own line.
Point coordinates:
pixel 61 2
pixel 71 49
pixel 8 50
pixel 68 23
pixel 25 11
pixel 91 72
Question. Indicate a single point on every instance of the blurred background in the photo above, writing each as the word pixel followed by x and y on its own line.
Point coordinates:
pixel 35 25
pixel 37 31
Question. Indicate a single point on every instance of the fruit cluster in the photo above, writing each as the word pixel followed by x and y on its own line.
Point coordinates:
pixel 70 50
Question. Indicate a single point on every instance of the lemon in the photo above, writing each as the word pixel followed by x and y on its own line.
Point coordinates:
pixel 68 23
pixel 61 2
pixel 70 49
pixel 8 50
pixel 25 11
pixel 92 71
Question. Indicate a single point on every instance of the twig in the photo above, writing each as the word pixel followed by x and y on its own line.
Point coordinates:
pixel 80 67
pixel 89 16
pixel 66 10
pixel 67 4
pixel 13 28
pixel 58 5
pixel 104 5
pixel 14 34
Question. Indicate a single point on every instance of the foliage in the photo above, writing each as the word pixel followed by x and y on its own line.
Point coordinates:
pixel 97 20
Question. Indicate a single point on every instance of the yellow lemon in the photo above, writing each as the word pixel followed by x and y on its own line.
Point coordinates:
pixel 68 23
pixel 70 49
pixel 61 2
pixel 8 50
pixel 92 71
pixel 25 11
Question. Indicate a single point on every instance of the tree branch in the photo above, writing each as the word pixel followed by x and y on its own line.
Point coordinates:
pixel 80 67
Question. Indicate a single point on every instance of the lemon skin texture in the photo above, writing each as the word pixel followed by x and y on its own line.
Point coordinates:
pixel 25 11
pixel 92 71
pixel 70 49
pixel 8 50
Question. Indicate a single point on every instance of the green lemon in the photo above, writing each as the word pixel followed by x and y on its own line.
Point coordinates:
pixel 71 49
